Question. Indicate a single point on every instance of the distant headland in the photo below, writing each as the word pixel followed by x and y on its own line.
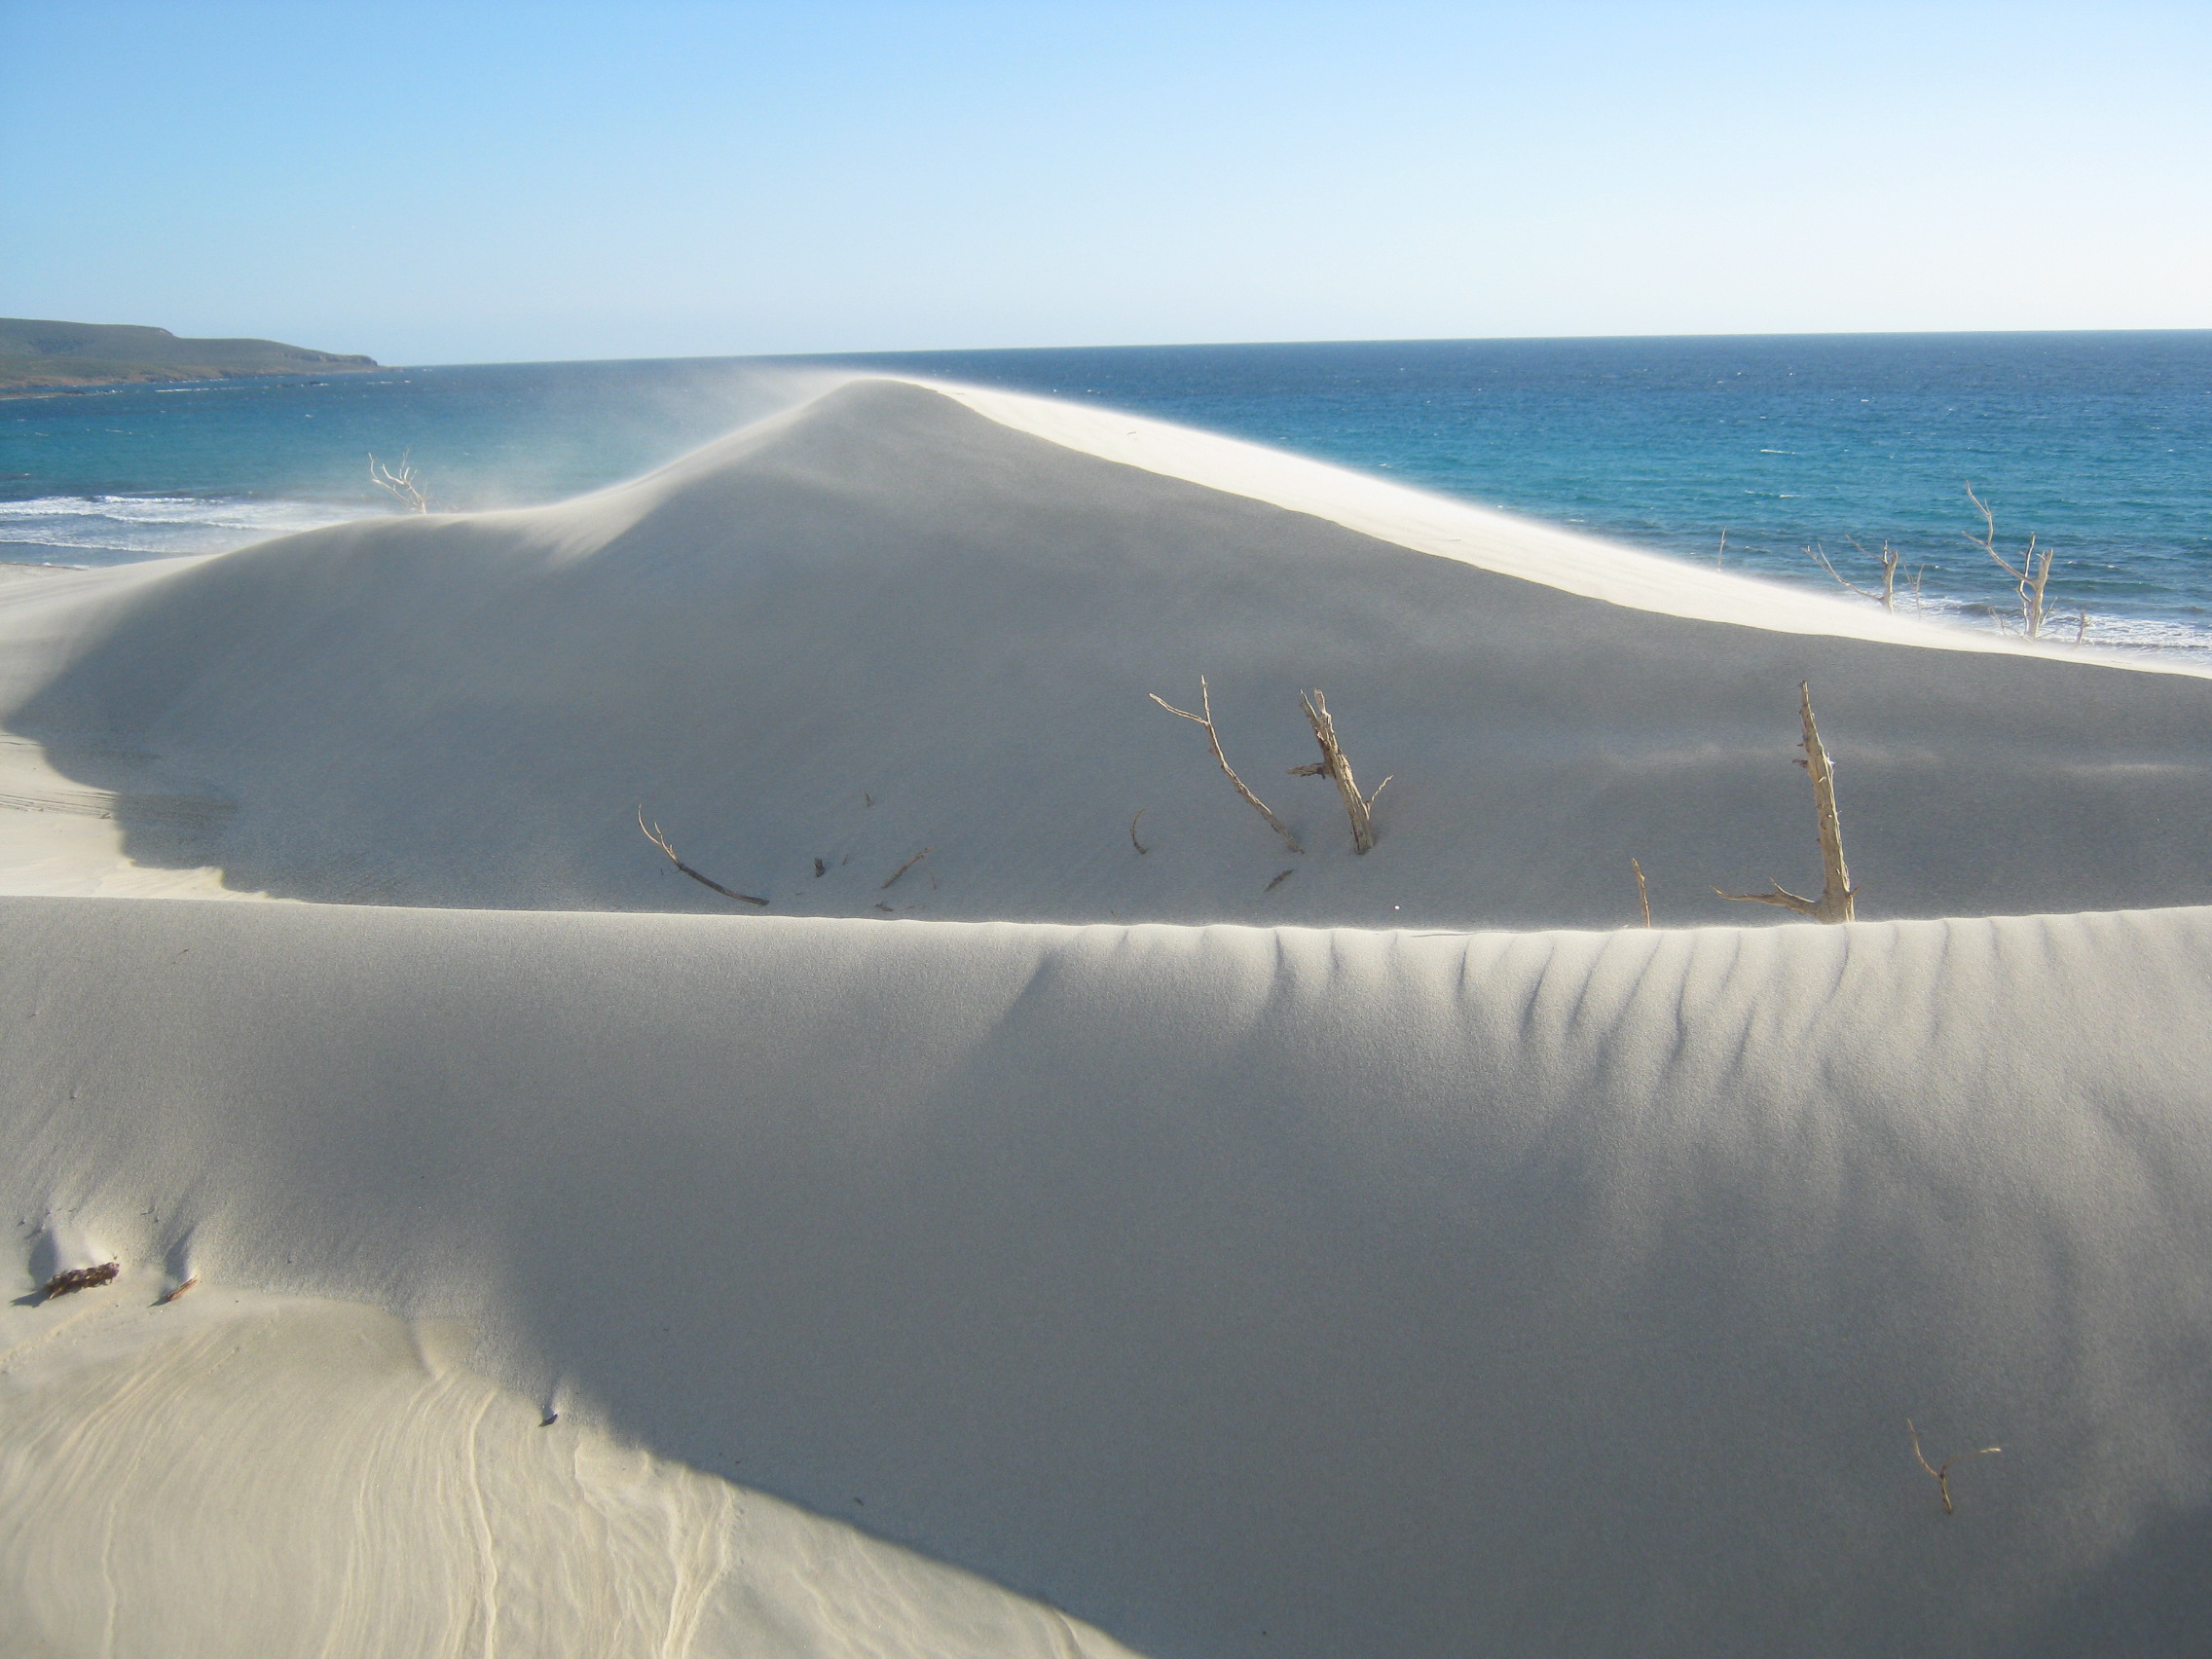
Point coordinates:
pixel 62 357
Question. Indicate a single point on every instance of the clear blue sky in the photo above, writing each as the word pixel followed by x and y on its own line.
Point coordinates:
pixel 460 182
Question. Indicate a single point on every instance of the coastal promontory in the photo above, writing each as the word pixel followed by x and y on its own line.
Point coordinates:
pixel 37 355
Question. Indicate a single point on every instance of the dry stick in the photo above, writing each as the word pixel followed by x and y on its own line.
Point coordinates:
pixel 659 840
pixel 1644 898
pixel 1886 596
pixel 1835 903
pixel 1943 1471
pixel 1357 807
pixel 908 866
pixel 2028 576
pixel 401 483
pixel 1881 596
pixel 1213 737
pixel 1282 876
pixel 1134 841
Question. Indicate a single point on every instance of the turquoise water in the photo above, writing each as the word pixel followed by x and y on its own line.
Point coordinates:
pixel 2100 444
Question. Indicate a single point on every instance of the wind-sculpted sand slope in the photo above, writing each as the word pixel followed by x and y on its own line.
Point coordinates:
pixel 1243 1292
pixel 240 1474
pixel 886 622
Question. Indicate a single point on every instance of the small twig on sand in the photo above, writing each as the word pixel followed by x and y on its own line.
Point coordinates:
pixel 168 1296
pixel 1134 841
pixel 1213 738
pixel 1837 896
pixel 74 1279
pixel 653 834
pixel 1358 808
pixel 908 866
pixel 1282 876
pixel 1943 1471
pixel 1642 897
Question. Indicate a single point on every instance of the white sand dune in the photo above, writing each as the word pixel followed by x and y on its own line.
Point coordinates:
pixel 1245 1289
pixel 884 622
pixel 247 1474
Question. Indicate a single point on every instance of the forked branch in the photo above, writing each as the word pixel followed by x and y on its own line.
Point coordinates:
pixel 1359 808
pixel 1886 596
pixel 2028 575
pixel 401 484
pixel 1835 903
pixel 653 834
pixel 1213 738
pixel 1943 1471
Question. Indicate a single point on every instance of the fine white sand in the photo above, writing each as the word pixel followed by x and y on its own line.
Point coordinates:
pixel 1364 1285
pixel 883 622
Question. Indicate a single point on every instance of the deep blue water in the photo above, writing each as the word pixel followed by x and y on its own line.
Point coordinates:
pixel 2100 444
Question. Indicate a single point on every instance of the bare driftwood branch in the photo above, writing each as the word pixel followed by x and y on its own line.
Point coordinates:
pixel 168 1296
pixel 1643 895
pixel 1213 737
pixel 908 866
pixel 400 483
pixel 1134 841
pixel 1943 1471
pixel 1886 596
pixel 659 840
pixel 2028 575
pixel 73 1279
pixel 1358 808
pixel 1836 900
pixel 1282 876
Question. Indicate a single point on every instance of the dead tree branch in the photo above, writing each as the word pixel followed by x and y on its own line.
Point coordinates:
pixel 1837 895
pixel 908 866
pixel 1943 1471
pixel 659 840
pixel 1134 841
pixel 1213 737
pixel 2028 575
pixel 1643 895
pixel 400 483
pixel 1886 596
pixel 1358 808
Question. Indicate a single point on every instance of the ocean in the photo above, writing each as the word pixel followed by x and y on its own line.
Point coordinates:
pixel 1742 449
